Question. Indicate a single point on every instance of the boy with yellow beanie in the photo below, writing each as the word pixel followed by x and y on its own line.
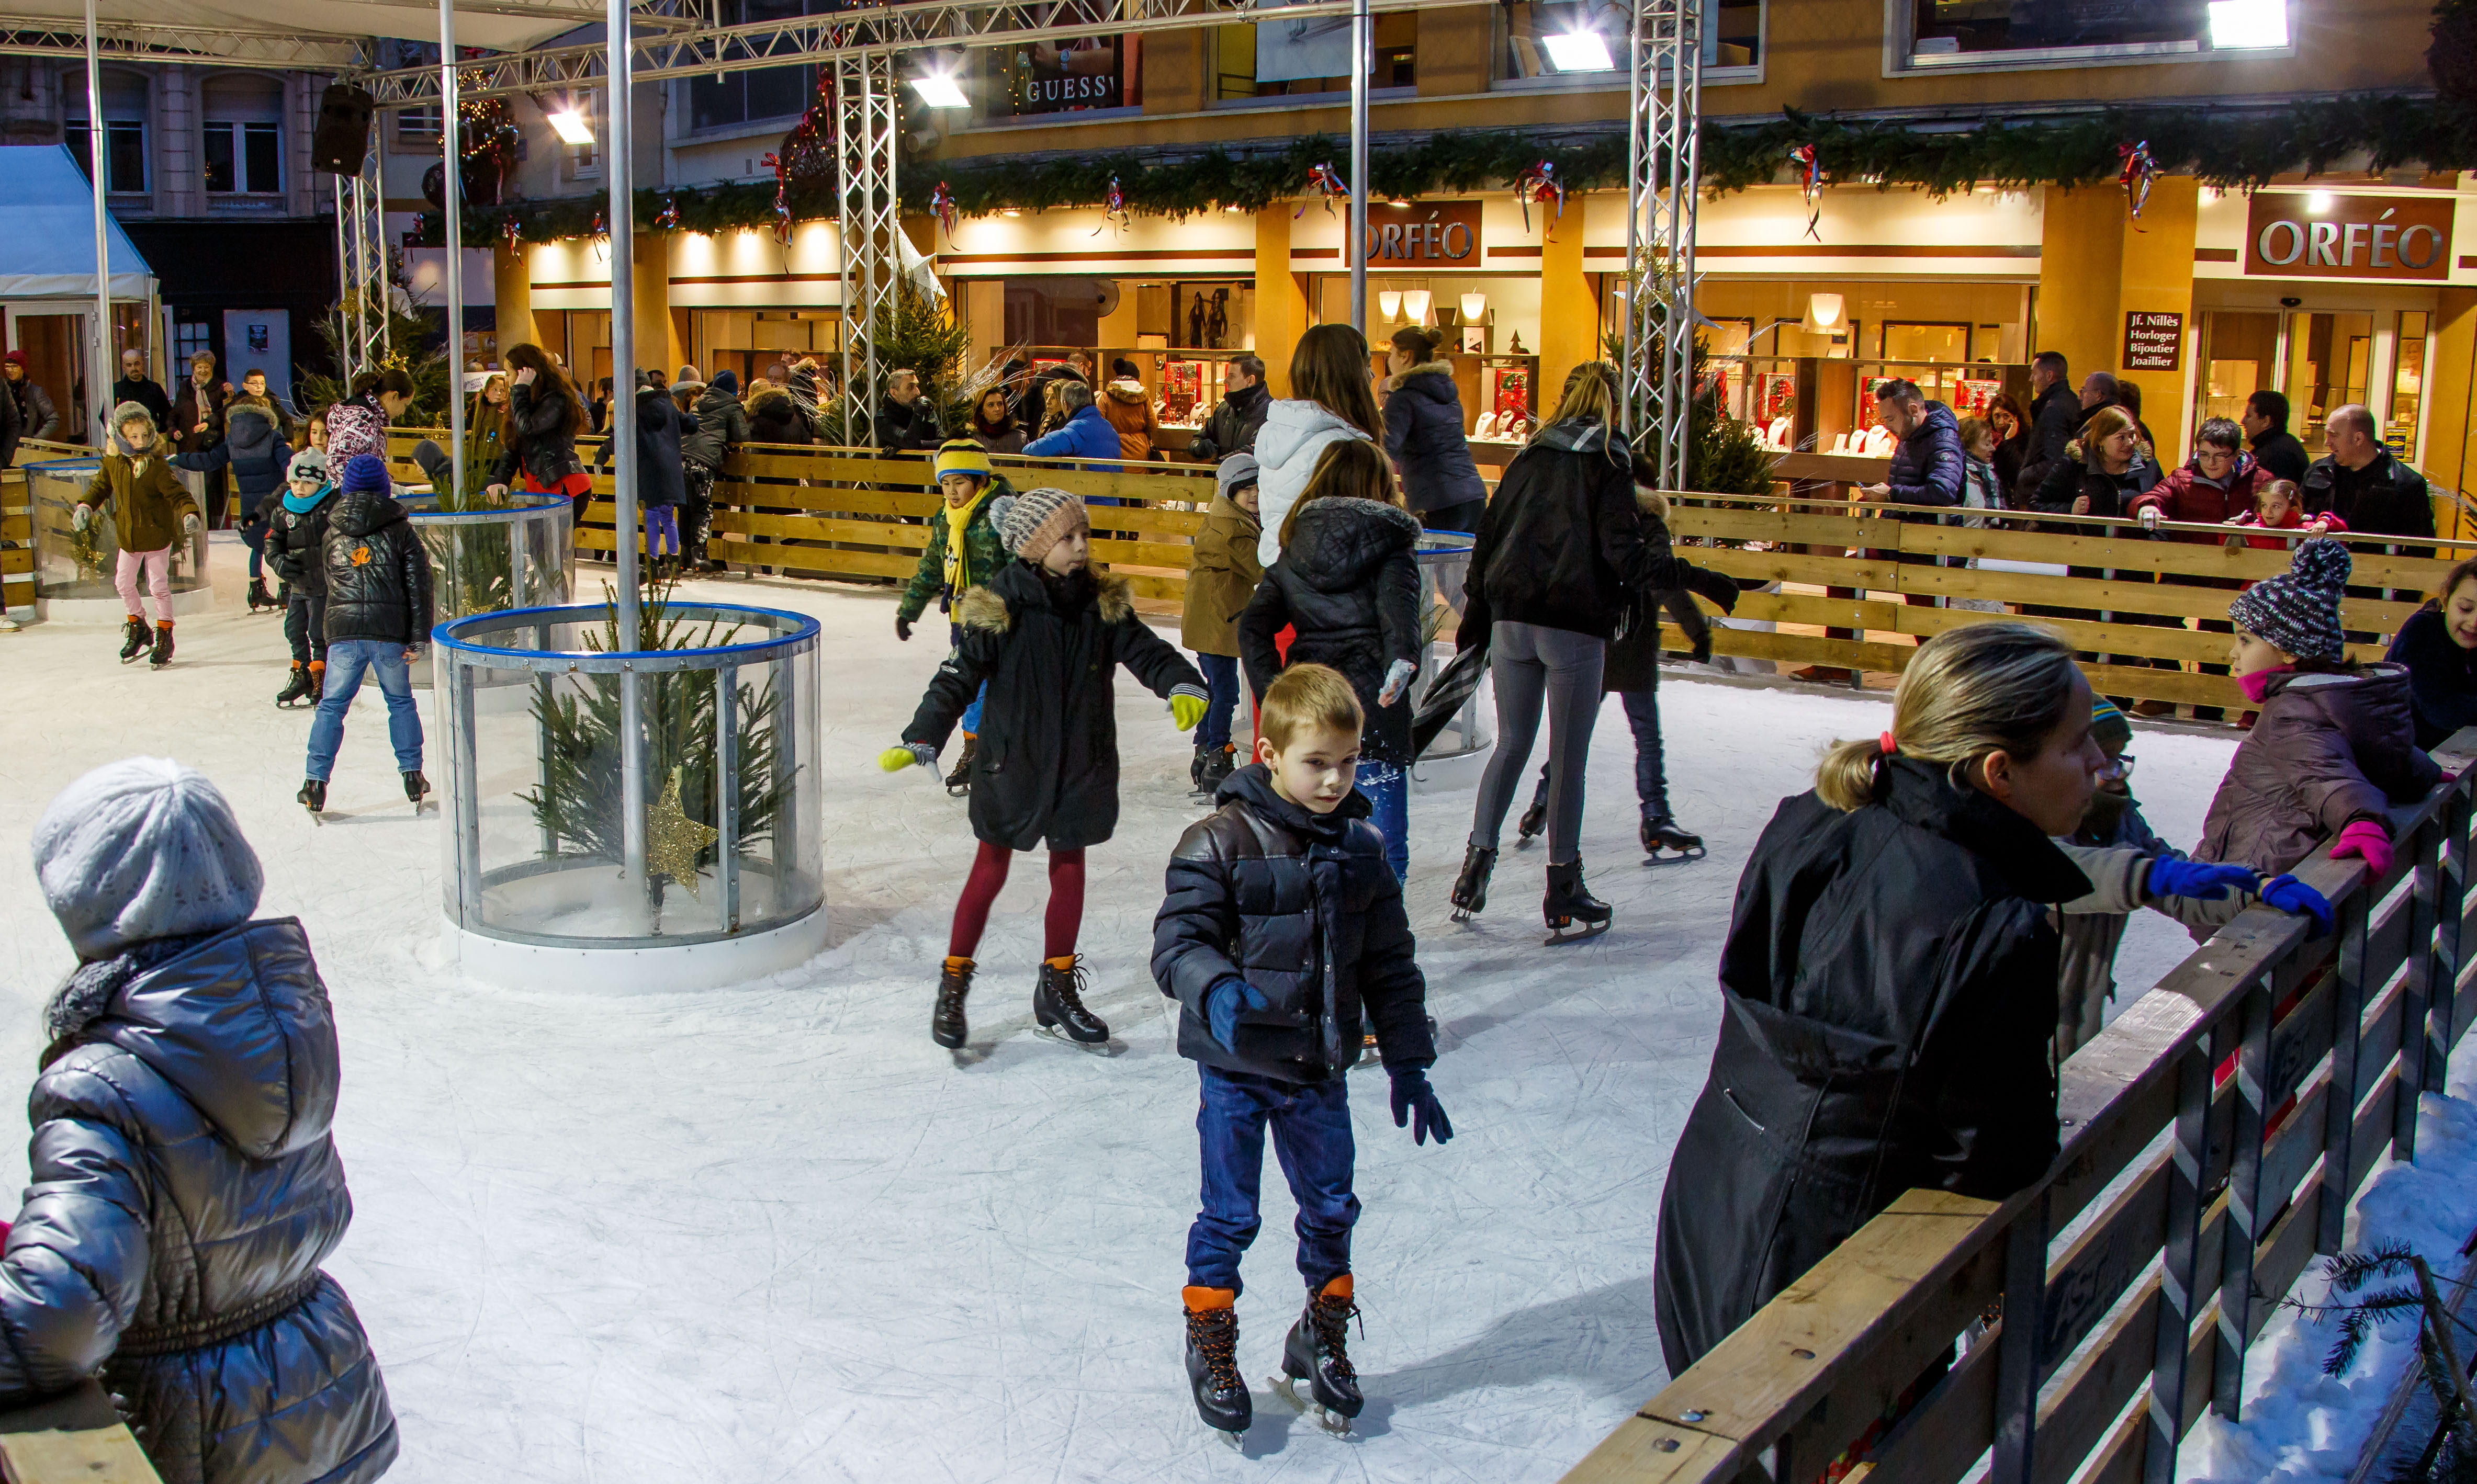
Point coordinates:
pixel 964 553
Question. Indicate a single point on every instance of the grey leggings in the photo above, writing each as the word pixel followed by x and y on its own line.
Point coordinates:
pixel 1532 665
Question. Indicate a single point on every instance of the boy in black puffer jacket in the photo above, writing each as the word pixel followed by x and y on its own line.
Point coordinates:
pixel 1282 926
pixel 296 528
pixel 377 577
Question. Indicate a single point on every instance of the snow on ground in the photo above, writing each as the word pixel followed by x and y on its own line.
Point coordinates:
pixel 773 1232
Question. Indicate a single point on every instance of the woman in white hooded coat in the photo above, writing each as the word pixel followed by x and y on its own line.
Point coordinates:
pixel 1331 374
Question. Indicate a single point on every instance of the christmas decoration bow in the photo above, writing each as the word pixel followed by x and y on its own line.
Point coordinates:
pixel 1114 208
pixel 669 218
pixel 1323 185
pixel 2139 172
pixel 1540 183
pixel 942 206
pixel 511 227
pixel 601 236
pixel 781 169
pixel 1810 182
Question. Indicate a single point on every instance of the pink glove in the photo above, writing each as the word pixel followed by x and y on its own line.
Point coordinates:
pixel 2369 843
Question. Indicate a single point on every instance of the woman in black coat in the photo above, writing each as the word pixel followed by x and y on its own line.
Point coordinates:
pixel 1888 982
pixel 773 417
pixel 1423 433
pixel 544 416
pixel 1348 582
pixel 2438 646
pixel 2101 471
pixel 662 474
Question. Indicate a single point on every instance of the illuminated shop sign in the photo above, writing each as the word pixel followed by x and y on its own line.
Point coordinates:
pixel 2333 234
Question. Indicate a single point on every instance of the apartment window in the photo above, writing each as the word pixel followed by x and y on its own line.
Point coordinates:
pixel 1289 58
pixel 2000 32
pixel 736 98
pixel 243 147
pixel 1078 76
pixel 124 129
pixel 1553 43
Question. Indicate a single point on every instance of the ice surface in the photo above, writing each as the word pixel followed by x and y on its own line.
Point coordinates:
pixel 773 1233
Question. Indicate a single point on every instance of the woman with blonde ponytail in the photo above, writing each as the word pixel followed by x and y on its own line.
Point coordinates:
pixel 1889 979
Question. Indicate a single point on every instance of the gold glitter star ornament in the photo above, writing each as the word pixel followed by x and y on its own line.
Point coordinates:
pixel 673 840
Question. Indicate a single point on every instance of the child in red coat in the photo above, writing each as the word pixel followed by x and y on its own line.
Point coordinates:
pixel 2279 506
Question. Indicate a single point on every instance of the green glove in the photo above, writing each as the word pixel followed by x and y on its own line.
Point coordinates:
pixel 903 755
pixel 1187 708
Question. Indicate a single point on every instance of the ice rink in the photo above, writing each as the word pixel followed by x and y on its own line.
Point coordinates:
pixel 774 1233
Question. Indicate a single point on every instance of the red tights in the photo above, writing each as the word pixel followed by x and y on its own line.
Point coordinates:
pixel 1059 927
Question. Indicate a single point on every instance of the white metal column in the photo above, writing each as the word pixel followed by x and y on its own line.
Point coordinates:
pixel 1663 169
pixel 452 192
pixel 867 216
pixel 1362 49
pixel 98 156
pixel 619 171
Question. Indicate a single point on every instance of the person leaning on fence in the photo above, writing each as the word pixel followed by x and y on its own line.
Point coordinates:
pixel 721 424
pixel 1889 980
pixel 2438 646
pixel 544 416
pixel 2054 414
pixel 2360 482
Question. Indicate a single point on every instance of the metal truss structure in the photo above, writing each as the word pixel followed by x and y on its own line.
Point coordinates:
pixel 868 116
pixel 365 287
pixel 193 45
pixel 1662 172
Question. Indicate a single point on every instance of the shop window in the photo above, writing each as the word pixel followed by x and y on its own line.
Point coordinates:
pixel 244 151
pixel 2330 358
pixel 1982 33
pixel 2407 383
pixel 1912 341
pixel 124 129
pixel 190 337
pixel 1551 44
pixel 736 98
pixel 2240 354
pixel 1086 75
pixel 1290 58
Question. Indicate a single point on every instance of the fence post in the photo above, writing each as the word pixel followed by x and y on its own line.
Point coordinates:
pixel 2442 978
pixel 2017 1346
pixel 2188 1160
pixel 2419 953
pixel 2246 1216
pixel 2347 1031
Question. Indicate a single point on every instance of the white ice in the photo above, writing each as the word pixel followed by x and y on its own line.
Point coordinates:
pixel 774 1233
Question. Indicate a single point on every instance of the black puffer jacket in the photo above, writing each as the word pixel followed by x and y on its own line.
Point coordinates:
pixel 1348 582
pixel 296 539
pixel 1049 649
pixel 185 1191
pixel 1303 906
pixel 775 418
pixel 540 440
pixel 1423 432
pixel 1564 544
pixel 1890 989
pixel 2054 414
pixel 662 477
pixel 2069 479
pixel 1233 424
pixel 377 572
pixel 251 447
pixel 720 422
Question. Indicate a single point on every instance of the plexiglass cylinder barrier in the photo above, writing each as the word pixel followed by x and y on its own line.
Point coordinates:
pixel 639 820
pixel 486 557
pixel 73 569
pixel 1459 755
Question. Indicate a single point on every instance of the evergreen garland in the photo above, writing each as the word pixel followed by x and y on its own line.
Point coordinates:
pixel 2225 147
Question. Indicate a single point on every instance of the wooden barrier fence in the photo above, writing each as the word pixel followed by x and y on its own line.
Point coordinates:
pixel 2145 1267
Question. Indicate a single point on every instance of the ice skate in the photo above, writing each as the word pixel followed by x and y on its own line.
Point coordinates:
pixel 313 797
pixel 296 690
pixel 1660 833
pixel 1058 1003
pixel 260 599
pixel 1221 1395
pixel 1219 764
pixel 135 639
pixel 960 781
pixel 946 1025
pixel 416 788
pixel 1571 911
pixel 1533 819
pixel 1195 770
pixel 1471 888
pixel 1314 1353
pixel 162 655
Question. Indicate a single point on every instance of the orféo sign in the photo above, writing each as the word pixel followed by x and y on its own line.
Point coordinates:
pixel 2336 235
pixel 1429 232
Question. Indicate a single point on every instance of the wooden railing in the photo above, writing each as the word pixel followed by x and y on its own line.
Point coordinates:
pixel 2281 1068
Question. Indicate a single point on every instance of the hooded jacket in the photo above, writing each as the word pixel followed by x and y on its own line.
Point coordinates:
pixel 2441 676
pixel 2329 748
pixel 1088 435
pixel 185 1191
pixel 1294 436
pixel 720 422
pixel 1303 906
pixel 1927 465
pixel 1423 432
pixel 1889 1003
pixel 773 417
pixel 2190 495
pixel 41 419
pixel 1565 545
pixel 297 532
pixel 662 477
pixel 541 438
pixel 984 554
pixel 1348 582
pixel 2384 498
pixel 1631 659
pixel 147 502
pixel 1048 648
pixel 356 425
pixel 255 450
pixel 377 572
pixel 1128 410
pixel 1233 427
pixel 1221 579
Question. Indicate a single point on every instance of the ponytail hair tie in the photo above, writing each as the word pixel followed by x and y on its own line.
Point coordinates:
pixel 1886 742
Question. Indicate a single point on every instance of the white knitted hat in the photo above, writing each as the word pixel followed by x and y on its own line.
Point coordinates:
pixel 139 849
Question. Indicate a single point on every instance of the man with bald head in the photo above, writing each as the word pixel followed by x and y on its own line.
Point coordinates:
pixel 2360 482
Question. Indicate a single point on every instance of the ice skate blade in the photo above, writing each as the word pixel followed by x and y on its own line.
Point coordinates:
pixel 1325 1417
pixel 1460 915
pixel 1557 935
pixel 1235 1442
pixel 1058 1035
pixel 1672 857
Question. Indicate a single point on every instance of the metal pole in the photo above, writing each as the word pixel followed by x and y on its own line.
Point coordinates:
pixel 343 278
pixel 98 154
pixel 452 191
pixel 1362 50
pixel 618 172
pixel 357 355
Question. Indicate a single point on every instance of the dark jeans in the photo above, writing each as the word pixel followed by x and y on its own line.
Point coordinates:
pixel 1311 1137
pixel 253 532
pixel 1650 770
pixel 305 628
pixel 695 522
pixel 1221 679
pixel 1454 517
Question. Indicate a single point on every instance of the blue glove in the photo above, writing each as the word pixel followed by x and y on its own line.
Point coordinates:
pixel 2199 881
pixel 1223 1003
pixel 2291 895
pixel 1416 1102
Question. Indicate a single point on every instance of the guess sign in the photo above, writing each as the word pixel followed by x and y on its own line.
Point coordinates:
pixel 2406 237
pixel 1438 232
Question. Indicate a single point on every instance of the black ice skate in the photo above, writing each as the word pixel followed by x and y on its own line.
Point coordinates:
pixel 1058 1003
pixel 313 797
pixel 1195 770
pixel 261 599
pixel 960 781
pixel 1471 888
pixel 946 1025
pixel 296 690
pixel 1314 1353
pixel 1660 833
pixel 1219 764
pixel 1533 819
pixel 1221 1397
pixel 416 788
pixel 1571 911
pixel 162 655
pixel 135 639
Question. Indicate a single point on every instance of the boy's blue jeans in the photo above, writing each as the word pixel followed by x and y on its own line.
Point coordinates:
pixel 1221 681
pixel 1389 804
pixel 346 661
pixel 972 712
pixel 1311 1127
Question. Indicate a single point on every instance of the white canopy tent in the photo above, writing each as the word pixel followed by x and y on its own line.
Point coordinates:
pixel 45 254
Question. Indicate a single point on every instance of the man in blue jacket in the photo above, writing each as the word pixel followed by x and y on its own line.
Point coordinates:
pixel 1927 466
pixel 1085 434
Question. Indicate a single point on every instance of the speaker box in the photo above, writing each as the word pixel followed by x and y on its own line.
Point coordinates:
pixel 343 137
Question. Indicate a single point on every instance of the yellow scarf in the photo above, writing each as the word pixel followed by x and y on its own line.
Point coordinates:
pixel 958 517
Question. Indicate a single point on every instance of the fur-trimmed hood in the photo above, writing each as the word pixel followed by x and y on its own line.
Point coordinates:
pixel 1651 503
pixel 1132 393
pixel 1423 368
pixel 773 399
pixel 990 610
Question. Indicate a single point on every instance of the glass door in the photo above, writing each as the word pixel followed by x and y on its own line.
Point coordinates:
pixel 2240 357
pixel 2329 365
pixel 55 339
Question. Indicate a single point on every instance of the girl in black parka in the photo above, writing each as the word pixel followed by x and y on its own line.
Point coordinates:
pixel 1889 982
pixel 1046 635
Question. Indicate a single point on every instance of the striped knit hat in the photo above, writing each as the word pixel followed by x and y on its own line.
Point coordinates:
pixel 2110 725
pixel 1038 519
pixel 962 456
pixel 2298 610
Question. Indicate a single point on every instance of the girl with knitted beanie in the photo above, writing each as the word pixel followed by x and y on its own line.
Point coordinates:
pixel 2334 747
pixel 1045 636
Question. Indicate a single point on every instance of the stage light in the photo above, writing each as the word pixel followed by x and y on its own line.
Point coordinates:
pixel 1579 50
pixel 572 126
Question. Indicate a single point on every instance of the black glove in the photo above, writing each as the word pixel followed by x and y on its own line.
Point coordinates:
pixel 1719 587
pixel 902 628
